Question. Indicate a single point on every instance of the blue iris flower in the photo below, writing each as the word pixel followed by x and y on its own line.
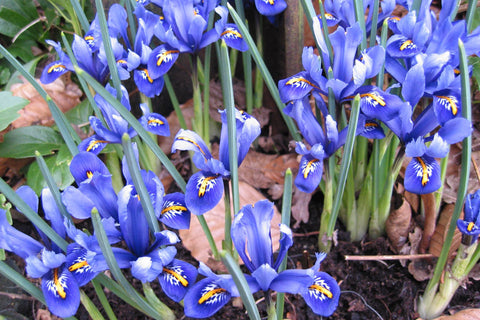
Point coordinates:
pixel 183 28
pixel 117 126
pixel 88 50
pixel 205 188
pixel 149 260
pixel 470 224
pixel 251 233
pixel 61 275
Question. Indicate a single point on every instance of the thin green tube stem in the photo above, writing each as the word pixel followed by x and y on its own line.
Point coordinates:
pixel 103 300
pixel 174 100
pixel 52 186
pixel 140 187
pixel 465 171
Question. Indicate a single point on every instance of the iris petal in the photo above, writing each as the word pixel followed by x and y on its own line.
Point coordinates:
pixel 175 213
pixel 309 173
pixel 422 175
pixel 177 278
pixel 61 292
pixel 203 193
pixel 322 296
pixel 205 298
pixel 161 60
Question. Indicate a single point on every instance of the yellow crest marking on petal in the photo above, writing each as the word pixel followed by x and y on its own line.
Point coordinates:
pixel 92 144
pixel 375 97
pixel 89 174
pixel 405 45
pixel 147 76
pixel 295 80
pixel 121 61
pixel 453 104
pixel 203 186
pixel 308 168
pixel 210 294
pixel 470 226
pixel 61 292
pixel 271 2
pixel 230 31
pixel 155 121
pixel 164 56
pixel 192 142
pixel 179 208
pixel 89 38
pixel 77 266
pixel 55 67
pixel 177 276
pixel 371 124
pixel 425 177
pixel 323 290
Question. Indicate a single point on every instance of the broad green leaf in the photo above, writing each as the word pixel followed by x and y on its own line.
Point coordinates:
pixel 26 8
pixel 79 115
pixel 23 142
pixel 5 75
pixel 21 48
pixel 475 62
pixel 58 168
pixel 13 23
pixel 9 108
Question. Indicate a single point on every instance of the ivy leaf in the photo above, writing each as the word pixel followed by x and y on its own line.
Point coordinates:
pixel 9 108
pixel 23 142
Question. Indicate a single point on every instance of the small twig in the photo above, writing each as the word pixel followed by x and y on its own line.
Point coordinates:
pixel 42 18
pixel 475 166
pixel 17 296
pixel 390 257
pixel 307 234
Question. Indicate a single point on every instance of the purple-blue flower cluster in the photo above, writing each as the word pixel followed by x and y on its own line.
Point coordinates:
pixel 182 27
pixel 422 59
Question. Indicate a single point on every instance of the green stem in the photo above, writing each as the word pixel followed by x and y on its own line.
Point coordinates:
pixel 103 300
pixel 166 312
pixel 454 278
pixel 174 100
pixel 198 109
pixel 227 242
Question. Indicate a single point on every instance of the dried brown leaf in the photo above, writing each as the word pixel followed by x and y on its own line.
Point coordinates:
pixel 468 314
pixel 194 239
pixel 397 225
pixel 64 93
pixel 440 233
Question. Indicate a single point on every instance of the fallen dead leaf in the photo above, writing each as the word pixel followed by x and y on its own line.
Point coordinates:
pixel 397 226
pixel 64 93
pixel 468 314
pixel 421 269
pixel 195 240
pixel 440 233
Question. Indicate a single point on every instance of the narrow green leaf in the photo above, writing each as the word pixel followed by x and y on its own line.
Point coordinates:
pixel 92 310
pixel 346 160
pixel 115 270
pixel 52 186
pixel 139 184
pixel 112 64
pixel 103 299
pixel 80 14
pixel 286 213
pixel 24 141
pixel 34 218
pixel 242 285
pixel 465 170
pixel 12 275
